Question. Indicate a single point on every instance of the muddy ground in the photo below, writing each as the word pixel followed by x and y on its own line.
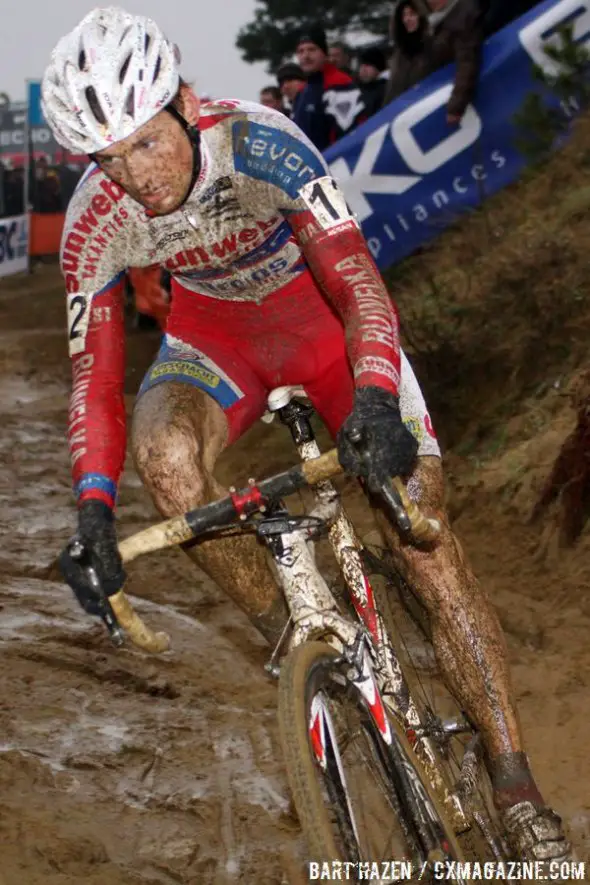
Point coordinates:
pixel 118 768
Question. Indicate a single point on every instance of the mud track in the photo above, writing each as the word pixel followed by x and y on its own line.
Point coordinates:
pixel 119 768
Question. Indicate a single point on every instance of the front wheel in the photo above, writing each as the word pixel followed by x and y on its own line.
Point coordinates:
pixel 361 797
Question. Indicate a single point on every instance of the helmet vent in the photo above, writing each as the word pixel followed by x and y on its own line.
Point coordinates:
pixel 92 99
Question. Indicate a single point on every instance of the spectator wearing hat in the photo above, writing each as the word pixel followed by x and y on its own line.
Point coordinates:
pixel 373 76
pixel 292 81
pixel 331 104
pixel 429 35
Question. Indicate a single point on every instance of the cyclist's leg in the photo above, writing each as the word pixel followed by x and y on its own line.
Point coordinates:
pixel 188 410
pixel 467 637
pixel 470 649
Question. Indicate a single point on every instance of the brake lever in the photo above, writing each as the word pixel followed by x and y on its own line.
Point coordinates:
pixel 386 490
pixel 392 498
pixel 78 553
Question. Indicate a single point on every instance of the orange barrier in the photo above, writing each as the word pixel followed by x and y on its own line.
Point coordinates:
pixel 45 232
pixel 150 297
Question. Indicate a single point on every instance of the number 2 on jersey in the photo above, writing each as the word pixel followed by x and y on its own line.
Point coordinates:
pixel 77 322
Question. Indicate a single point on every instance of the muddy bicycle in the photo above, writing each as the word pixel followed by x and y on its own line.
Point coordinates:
pixel 381 763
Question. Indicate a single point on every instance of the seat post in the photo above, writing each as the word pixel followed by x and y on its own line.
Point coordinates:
pixel 295 416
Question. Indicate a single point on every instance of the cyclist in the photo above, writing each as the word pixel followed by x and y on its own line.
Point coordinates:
pixel 272 284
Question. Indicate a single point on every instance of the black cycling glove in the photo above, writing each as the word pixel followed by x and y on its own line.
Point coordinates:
pixel 374 439
pixel 96 532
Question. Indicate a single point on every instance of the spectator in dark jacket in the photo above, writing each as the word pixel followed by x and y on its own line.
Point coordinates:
pixel 292 81
pixel 373 78
pixel 427 38
pixel 331 104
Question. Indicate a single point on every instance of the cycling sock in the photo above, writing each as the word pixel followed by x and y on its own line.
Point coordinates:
pixel 513 781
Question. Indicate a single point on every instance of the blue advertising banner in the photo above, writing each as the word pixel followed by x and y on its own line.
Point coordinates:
pixel 36 117
pixel 407 174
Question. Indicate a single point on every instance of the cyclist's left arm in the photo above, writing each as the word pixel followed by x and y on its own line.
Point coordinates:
pixel 340 261
pixel 293 178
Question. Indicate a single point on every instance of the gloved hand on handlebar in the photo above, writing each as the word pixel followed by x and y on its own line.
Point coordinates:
pixel 374 439
pixel 96 531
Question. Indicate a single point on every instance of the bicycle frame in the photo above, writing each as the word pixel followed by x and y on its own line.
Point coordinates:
pixel 314 610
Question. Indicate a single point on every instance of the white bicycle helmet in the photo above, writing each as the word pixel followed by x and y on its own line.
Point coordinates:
pixel 109 76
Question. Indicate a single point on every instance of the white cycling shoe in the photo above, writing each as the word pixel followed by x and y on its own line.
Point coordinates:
pixel 536 834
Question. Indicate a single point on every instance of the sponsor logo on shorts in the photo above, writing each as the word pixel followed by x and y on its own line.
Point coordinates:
pixel 180 361
pixel 188 369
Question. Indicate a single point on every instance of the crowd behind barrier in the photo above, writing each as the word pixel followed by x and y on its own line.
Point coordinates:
pixel 50 188
pixel 320 91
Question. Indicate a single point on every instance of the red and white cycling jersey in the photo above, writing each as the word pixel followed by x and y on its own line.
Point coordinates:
pixel 265 242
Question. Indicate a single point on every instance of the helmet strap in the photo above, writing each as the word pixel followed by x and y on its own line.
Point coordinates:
pixel 194 136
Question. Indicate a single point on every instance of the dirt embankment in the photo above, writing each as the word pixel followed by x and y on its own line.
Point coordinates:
pixel 122 769
pixel 496 317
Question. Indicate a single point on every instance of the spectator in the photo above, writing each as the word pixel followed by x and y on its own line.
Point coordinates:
pixel 339 56
pixel 14 198
pixel 373 78
pixel 271 97
pixel 292 81
pixel 449 31
pixel 50 199
pixel 69 175
pixel 14 191
pixel 331 104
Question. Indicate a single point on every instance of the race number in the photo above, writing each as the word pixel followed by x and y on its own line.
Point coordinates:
pixel 326 202
pixel 78 317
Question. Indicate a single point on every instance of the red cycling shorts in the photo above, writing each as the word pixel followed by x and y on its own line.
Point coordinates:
pixel 238 351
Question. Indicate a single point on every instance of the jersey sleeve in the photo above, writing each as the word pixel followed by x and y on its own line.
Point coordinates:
pixel 95 302
pixel 283 171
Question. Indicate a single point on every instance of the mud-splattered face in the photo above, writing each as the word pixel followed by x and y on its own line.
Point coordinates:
pixel 154 165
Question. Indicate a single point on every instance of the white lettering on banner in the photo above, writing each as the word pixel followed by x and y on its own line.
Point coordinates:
pixel 399 225
pixel 462 137
pixel 361 180
pixel 16 137
pixel 13 245
pixel 541 32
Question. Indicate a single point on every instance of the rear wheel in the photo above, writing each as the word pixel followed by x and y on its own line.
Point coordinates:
pixel 360 797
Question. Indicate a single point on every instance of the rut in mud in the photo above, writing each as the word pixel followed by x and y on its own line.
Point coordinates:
pixel 119 768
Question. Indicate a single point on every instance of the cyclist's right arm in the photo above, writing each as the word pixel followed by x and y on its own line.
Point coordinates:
pixel 96 340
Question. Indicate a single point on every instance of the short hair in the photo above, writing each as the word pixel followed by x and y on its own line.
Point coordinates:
pixel 290 71
pixel 274 91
